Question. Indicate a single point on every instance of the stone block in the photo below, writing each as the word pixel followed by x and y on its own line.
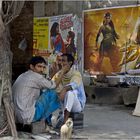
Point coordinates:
pixel 130 95
pixel 104 95
pixel 78 120
pixel 38 127
pixel 111 95
pixel 35 128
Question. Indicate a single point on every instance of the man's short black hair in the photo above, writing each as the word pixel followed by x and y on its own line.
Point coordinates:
pixel 36 59
pixel 70 58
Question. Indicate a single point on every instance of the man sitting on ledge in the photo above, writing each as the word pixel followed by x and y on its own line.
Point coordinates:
pixel 33 95
pixel 71 89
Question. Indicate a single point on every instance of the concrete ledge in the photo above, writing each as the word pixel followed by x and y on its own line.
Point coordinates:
pixel 130 95
pixel 111 95
pixel 38 127
pixel 78 120
pixel 34 128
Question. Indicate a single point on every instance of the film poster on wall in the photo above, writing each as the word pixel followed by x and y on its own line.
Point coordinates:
pixel 62 35
pixel 111 40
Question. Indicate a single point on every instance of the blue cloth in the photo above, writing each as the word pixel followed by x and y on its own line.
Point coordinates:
pixel 47 103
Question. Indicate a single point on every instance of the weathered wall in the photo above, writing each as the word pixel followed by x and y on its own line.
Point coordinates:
pixel 52 8
pixel 47 8
pixel 22 27
pixel 39 8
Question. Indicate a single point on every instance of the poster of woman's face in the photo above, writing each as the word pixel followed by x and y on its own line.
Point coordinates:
pixel 111 39
pixel 55 35
pixel 62 36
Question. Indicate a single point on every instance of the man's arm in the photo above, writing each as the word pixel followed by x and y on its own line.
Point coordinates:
pixel 59 78
pixel 45 83
pixel 64 91
pixel 74 83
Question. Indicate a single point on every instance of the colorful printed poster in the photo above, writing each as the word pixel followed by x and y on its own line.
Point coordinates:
pixel 62 34
pixel 55 35
pixel 111 39
pixel 40 36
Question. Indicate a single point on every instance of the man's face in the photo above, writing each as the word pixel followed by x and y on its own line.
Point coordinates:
pixel 38 68
pixel 59 61
pixel 65 62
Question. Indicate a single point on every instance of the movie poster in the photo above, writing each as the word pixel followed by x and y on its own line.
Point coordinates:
pixel 40 36
pixel 111 40
pixel 55 35
pixel 62 35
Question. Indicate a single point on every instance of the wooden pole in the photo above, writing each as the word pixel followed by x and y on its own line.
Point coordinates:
pixel 10 117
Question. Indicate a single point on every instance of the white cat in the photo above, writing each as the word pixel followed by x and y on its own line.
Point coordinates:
pixel 66 129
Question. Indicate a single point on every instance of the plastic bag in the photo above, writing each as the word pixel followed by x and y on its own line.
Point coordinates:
pixel 23 44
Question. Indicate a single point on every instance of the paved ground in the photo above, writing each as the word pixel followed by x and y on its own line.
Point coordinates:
pixel 105 122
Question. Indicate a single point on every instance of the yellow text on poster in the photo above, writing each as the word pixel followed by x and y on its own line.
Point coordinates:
pixel 40 35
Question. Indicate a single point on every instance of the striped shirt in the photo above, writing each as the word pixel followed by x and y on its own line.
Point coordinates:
pixel 25 92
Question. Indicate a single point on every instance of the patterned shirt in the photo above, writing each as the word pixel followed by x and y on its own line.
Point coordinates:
pixel 25 91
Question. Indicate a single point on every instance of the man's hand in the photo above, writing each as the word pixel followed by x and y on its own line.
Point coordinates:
pixel 65 69
pixel 62 94
pixel 64 91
